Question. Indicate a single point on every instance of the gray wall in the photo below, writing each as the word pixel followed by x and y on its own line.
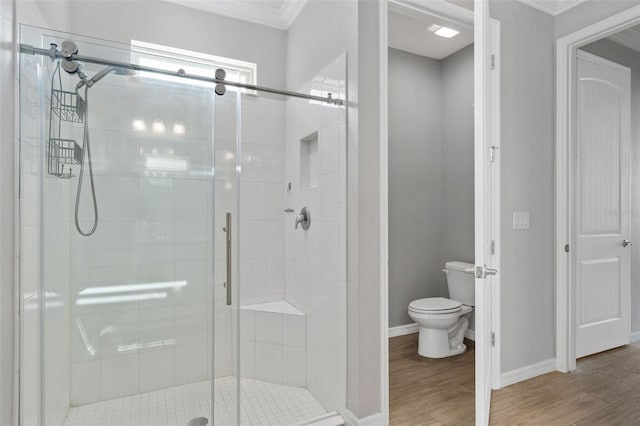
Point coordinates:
pixel 527 299
pixel 431 210
pixel 617 53
pixel 182 27
pixel 458 156
pixel 415 182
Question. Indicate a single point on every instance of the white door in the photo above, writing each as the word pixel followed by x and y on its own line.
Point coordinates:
pixel 485 153
pixel 603 269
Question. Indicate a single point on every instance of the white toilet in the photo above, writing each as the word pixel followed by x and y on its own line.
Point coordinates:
pixel 442 321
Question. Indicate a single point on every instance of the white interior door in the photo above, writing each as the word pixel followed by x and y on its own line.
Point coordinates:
pixel 603 269
pixel 485 151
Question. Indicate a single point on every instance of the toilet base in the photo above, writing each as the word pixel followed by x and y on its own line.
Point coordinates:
pixel 434 343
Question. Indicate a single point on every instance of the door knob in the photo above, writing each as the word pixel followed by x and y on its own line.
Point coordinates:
pixel 626 243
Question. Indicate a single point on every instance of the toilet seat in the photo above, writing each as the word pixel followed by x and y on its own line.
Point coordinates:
pixel 435 305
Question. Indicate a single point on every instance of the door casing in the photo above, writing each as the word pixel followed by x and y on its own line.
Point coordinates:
pixel 566 85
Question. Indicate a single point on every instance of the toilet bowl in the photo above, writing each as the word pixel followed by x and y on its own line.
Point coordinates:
pixel 443 322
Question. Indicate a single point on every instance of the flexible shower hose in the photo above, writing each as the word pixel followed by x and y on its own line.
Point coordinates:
pixel 86 153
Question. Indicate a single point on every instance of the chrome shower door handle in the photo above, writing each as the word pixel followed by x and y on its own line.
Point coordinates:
pixel 626 243
pixel 227 284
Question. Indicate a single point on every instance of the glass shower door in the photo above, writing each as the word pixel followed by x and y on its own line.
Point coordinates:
pixel 136 327
pixel 226 351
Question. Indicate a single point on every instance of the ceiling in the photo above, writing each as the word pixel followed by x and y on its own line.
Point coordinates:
pixel 629 38
pixel 552 7
pixel 278 14
pixel 408 32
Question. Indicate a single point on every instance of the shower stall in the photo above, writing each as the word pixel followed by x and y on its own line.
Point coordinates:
pixel 183 240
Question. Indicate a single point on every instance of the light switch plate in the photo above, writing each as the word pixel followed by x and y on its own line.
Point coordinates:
pixel 520 220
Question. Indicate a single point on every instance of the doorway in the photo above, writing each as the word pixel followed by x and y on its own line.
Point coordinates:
pixel 598 71
pixel 482 213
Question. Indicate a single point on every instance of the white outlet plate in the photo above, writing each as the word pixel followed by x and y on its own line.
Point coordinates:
pixel 520 220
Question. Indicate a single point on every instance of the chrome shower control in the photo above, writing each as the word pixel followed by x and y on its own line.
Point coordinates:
pixel 304 219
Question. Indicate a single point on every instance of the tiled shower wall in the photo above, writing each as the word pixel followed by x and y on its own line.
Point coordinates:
pixel 315 260
pixel 262 197
pixel 140 286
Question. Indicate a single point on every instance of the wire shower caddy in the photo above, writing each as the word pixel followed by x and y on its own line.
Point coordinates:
pixel 63 153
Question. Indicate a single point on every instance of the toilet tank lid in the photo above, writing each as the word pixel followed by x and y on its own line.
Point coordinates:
pixel 458 266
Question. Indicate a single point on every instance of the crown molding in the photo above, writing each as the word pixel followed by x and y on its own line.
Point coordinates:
pixel 279 18
pixel 628 38
pixel 552 7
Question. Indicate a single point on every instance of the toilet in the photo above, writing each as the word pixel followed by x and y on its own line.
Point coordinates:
pixel 443 321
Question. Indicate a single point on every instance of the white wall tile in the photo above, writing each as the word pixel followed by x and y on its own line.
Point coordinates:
pixel 262 163
pixel 252 281
pixel 248 359
pixel 329 149
pixel 85 382
pixel 295 362
pixel 252 239
pixel 119 376
pixel 247 324
pixel 119 333
pixel 193 199
pixel 294 330
pixel 269 362
pixel 191 363
pixel 191 323
pixel 157 328
pixel 223 358
pixel 252 201
pixel 196 275
pixel 156 370
pixel 118 199
pixel 268 327
pixel 275 279
pixel 156 199
pixel 85 337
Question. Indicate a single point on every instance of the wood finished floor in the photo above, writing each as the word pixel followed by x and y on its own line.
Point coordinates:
pixel 604 390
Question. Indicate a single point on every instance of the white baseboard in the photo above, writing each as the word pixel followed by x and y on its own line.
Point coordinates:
pixel 635 337
pixel 403 330
pixel 353 420
pixel 527 372
pixel 470 334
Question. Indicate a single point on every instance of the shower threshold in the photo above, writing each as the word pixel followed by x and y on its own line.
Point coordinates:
pixel 262 403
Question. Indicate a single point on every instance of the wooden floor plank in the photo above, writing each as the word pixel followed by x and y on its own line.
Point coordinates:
pixel 604 390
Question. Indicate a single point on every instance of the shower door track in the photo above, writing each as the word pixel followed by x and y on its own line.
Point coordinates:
pixel 54 54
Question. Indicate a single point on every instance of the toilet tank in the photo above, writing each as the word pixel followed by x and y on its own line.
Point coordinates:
pixel 461 285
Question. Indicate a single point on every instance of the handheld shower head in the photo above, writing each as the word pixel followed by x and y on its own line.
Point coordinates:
pixel 105 71
pixel 99 76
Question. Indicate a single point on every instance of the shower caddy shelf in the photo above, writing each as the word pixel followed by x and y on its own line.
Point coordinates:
pixel 62 152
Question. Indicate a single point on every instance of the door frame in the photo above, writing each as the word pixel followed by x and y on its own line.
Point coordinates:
pixel 566 67
pixel 464 17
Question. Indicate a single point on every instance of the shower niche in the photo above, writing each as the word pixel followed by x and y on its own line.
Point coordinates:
pixel 309 161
